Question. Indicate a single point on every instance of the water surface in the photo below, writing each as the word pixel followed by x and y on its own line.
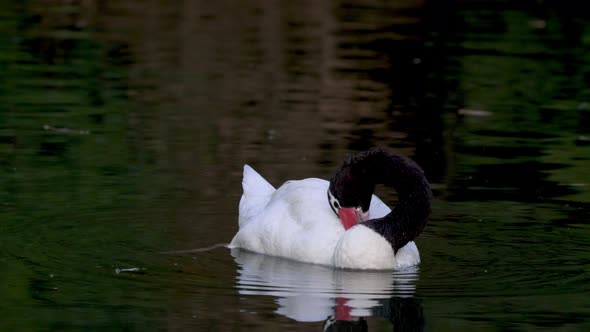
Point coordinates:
pixel 124 128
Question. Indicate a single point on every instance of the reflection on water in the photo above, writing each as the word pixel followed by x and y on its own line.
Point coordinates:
pixel 124 126
pixel 308 293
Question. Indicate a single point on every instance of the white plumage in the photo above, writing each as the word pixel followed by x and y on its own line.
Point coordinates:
pixel 296 222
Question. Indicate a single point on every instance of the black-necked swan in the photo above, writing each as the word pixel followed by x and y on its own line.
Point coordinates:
pixel 300 221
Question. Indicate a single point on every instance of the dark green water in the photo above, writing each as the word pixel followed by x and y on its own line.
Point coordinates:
pixel 124 128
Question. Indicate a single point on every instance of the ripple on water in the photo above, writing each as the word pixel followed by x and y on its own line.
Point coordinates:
pixel 308 292
pixel 503 252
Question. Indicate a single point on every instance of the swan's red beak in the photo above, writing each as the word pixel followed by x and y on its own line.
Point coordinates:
pixel 351 217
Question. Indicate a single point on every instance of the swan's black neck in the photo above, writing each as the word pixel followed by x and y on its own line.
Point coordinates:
pixel 355 181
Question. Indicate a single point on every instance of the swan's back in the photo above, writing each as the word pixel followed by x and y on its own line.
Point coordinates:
pixel 293 221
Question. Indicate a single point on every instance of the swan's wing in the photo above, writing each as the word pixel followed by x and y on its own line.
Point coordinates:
pixel 254 184
pixel 378 209
pixel 296 222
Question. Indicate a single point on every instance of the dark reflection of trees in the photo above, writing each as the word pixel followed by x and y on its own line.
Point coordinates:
pixel 411 72
pixel 404 313
pixel 543 50
pixel 359 325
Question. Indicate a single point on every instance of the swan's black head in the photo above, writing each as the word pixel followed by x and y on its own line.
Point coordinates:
pixel 351 187
pixel 353 184
pixel 350 192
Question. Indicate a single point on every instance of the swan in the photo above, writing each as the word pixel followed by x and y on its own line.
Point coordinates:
pixel 338 223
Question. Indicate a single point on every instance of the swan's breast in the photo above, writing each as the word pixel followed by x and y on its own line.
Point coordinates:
pixel 362 248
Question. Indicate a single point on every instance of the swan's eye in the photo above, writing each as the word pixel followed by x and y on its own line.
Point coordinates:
pixel 334 204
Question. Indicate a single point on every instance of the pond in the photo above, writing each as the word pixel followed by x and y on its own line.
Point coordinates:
pixel 124 127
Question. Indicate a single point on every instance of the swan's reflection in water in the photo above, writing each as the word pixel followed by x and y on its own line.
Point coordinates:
pixel 310 293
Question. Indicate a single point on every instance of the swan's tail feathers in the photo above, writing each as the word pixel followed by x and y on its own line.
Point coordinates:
pixel 254 184
pixel 257 194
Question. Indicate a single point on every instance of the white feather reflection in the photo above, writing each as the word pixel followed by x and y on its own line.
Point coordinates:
pixel 307 292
